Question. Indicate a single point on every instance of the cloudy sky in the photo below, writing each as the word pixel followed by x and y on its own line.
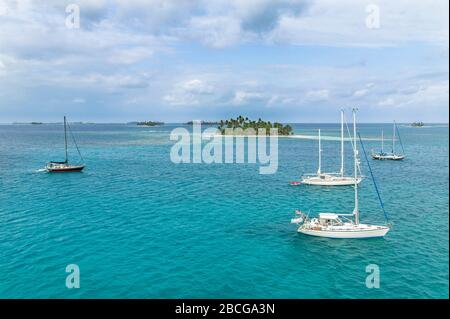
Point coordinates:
pixel 177 60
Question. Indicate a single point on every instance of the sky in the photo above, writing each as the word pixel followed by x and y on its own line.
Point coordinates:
pixel 180 60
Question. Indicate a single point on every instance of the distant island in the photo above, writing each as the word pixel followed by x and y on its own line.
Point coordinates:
pixel 417 124
pixel 245 123
pixel 149 123
pixel 203 122
pixel 28 123
pixel 45 123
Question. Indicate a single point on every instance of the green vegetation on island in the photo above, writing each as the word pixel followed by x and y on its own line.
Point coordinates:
pixel 149 123
pixel 417 124
pixel 245 123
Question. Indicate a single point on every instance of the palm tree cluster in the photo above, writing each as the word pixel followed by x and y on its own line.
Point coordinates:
pixel 245 123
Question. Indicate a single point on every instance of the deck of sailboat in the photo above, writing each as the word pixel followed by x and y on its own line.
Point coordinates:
pixel 329 179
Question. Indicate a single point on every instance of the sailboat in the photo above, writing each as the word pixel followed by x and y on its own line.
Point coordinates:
pixel 330 179
pixel 334 225
pixel 389 156
pixel 64 167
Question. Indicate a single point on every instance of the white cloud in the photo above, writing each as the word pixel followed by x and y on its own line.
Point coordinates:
pixel 387 102
pixel 342 23
pixel 429 94
pixel 119 80
pixel 140 51
pixel 79 100
pixel 155 16
pixel 244 97
pixel 216 32
pixel 224 23
pixel 196 86
pixel 359 93
pixel 39 32
pixel 130 55
pixel 99 81
pixel 189 92
pixel 317 95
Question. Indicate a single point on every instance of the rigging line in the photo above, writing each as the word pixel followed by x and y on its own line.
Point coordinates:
pixel 75 142
pixel 400 139
pixel 373 180
pixel 353 146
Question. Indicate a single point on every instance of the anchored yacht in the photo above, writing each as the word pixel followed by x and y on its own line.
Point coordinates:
pixel 334 225
pixel 65 166
pixel 331 179
pixel 382 155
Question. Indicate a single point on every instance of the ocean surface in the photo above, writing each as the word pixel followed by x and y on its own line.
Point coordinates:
pixel 140 226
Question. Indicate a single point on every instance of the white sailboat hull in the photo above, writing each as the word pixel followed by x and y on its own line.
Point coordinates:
pixel 63 168
pixel 392 157
pixel 357 231
pixel 330 180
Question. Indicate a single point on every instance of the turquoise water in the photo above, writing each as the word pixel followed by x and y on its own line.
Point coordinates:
pixel 139 226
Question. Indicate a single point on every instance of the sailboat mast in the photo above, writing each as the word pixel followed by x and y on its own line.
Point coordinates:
pixel 342 142
pixel 382 141
pixel 393 140
pixel 65 138
pixel 319 170
pixel 355 159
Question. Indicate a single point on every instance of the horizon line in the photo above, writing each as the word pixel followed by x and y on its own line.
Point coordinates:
pixel 186 122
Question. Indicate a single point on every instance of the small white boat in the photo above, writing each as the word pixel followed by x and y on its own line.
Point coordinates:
pixel 333 225
pixel 330 179
pixel 382 155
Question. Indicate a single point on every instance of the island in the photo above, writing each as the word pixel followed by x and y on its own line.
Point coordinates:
pixel 246 123
pixel 417 124
pixel 203 122
pixel 27 123
pixel 149 123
